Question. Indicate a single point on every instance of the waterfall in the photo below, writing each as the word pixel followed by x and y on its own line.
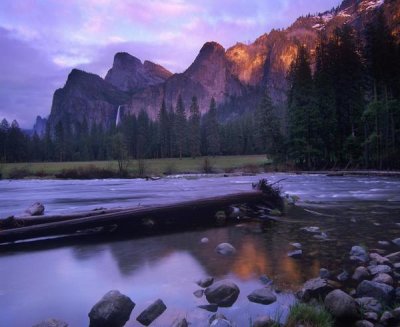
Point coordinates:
pixel 118 120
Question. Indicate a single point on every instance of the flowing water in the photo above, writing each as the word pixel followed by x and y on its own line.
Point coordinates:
pixel 66 280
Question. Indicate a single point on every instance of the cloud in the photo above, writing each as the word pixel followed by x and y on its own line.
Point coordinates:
pixel 42 40
pixel 28 79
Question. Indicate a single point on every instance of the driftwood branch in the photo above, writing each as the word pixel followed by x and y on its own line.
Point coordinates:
pixel 184 212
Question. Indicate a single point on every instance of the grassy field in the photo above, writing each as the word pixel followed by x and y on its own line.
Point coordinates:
pixel 152 167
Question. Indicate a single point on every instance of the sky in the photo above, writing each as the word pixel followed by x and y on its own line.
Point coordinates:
pixel 42 40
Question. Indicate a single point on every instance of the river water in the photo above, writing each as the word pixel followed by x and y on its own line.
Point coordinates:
pixel 65 280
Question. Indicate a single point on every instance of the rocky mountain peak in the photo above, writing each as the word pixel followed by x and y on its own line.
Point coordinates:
pixel 129 74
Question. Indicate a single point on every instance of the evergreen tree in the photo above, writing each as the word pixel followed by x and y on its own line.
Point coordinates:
pixel 304 141
pixel 4 131
pixel 180 127
pixel 194 128
pixel 212 130
pixel 269 138
pixel 164 131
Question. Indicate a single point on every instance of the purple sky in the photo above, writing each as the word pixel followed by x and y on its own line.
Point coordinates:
pixel 42 40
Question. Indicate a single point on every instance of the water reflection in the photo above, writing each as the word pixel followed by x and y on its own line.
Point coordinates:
pixel 64 282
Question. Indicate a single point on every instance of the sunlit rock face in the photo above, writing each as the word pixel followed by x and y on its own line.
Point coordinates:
pixel 208 76
pixel 129 74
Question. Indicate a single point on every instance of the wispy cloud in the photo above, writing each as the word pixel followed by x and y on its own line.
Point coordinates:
pixel 45 39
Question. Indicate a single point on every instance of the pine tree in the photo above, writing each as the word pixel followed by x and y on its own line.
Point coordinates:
pixel 4 131
pixel 164 131
pixel 212 130
pixel 304 141
pixel 269 139
pixel 194 128
pixel 180 127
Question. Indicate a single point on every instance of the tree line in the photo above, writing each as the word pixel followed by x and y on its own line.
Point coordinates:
pixel 342 110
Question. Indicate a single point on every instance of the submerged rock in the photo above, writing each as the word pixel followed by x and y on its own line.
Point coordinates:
pixel 204 240
pixel 396 241
pixel 262 296
pixel 223 293
pixel 324 273
pixel 198 293
pixel 209 307
pixel 295 254
pixel 217 315
pixel 311 229
pixel 51 323
pixel 36 209
pixel 205 282
pixel 263 321
pixel 341 305
pixel 180 322
pixel 113 310
pixel 358 253
pixel 221 323
pixel 152 312
pixel 343 276
pixel 266 280
pixel 382 292
pixel 225 249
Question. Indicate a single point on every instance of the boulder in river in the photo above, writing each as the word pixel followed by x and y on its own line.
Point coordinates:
pixel 225 249
pixel 315 288
pixel 380 260
pixel 393 257
pixel 382 292
pixel 223 293
pixel 383 278
pixel 36 209
pixel 379 269
pixel 113 310
pixel 369 304
pixel 358 253
pixel 51 323
pixel 217 315
pixel 205 282
pixel 221 323
pixel 263 296
pixel 152 312
pixel 360 273
pixel 198 293
pixel 341 305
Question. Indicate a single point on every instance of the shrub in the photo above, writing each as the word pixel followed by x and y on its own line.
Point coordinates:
pixel 86 172
pixel 207 166
pixel 309 316
pixel 19 173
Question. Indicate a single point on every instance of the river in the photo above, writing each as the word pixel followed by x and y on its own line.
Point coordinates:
pixel 66 280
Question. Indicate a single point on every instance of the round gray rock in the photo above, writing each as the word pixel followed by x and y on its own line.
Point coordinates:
pixel 205 282
pixel 113 310
pixel 36 209
pixel 378 269
pixel 358 253
pixel 370 304
pixel 223 293
pixel 382 292
pixel 315 288
pixel 225 249
pixel 364 323
pixel 384 279
pixel 152 312
pixel 360 273
pixel 262 296
pixel 341 305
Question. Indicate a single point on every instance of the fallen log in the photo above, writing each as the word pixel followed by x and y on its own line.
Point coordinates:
pixel 183 212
